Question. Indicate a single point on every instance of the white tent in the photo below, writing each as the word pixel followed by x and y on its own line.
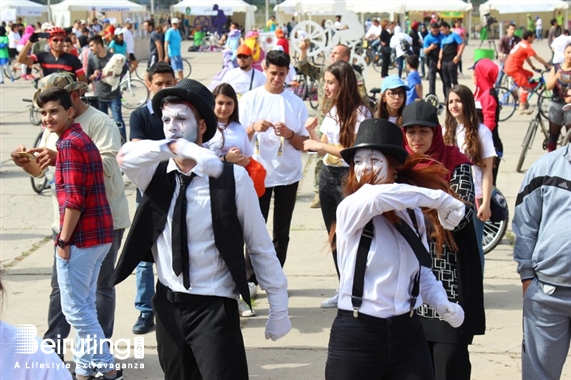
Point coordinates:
pixel 65 12
pixel 22 8
pixel 437 6
pixel 204 7
pixel 522 6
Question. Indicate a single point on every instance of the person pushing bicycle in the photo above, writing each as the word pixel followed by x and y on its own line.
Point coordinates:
pixel 523 52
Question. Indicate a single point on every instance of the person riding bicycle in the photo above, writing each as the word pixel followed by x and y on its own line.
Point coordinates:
pixel 56 60
pixel 560 82
pixel 514 68
pixel 373 35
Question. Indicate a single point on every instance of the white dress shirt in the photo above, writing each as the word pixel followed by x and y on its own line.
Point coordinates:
pixel 208 272
pixel 391 263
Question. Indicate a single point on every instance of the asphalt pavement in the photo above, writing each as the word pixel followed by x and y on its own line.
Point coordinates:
pixel 26 256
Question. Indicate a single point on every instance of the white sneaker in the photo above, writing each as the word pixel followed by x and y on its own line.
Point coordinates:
pixel 331 302
pixel 566 107
pixel 253 290
pixel 244 309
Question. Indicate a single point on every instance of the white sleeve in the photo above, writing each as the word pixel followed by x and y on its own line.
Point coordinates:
pixel 431 290
pixel 487 141
pixel 372 200
pixel 139 160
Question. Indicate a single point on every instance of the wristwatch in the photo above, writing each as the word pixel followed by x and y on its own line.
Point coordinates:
pixel 60 243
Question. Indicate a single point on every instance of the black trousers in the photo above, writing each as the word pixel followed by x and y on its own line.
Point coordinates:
pixel 432 71
pixel 386 63
pixel 367 348
pixel 451 361
pixel 331 183
pixel 449 75
pixel 199 337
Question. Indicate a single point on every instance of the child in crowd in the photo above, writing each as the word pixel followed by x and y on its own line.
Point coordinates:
pixel 414 82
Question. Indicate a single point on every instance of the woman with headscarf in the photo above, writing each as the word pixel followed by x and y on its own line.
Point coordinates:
pixel 458 266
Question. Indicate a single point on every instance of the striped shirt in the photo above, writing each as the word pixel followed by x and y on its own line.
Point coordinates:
pixel 79 186
pixel 65 62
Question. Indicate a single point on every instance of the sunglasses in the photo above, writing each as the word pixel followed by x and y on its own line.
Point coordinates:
pixel 243 56
pixel 56 40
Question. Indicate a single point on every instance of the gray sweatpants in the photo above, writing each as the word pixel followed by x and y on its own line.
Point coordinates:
pixel 546 332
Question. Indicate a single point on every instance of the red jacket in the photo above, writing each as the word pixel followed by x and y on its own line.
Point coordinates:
pixel 486 73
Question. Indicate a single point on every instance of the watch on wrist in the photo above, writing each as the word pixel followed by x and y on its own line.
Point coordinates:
pixel 60 243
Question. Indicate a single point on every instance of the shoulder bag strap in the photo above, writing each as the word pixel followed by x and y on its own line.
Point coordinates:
pixel 252 79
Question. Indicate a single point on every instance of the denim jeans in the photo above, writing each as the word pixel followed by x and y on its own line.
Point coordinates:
pixel 58 327
pixel 479 227
pixel 77 279
pixel 115 106
pixel 145 287
pixel 391 349
pixel 400 65
pixel 500 74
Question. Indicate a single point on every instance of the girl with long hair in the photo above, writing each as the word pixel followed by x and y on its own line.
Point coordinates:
pixel 458 265
pixel 118 45
pixel 463 129
pixel 339 126
pixel 392 100
pixel 383 279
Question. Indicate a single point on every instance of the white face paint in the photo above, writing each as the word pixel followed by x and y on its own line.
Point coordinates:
pixel 179 122
pixel 371 161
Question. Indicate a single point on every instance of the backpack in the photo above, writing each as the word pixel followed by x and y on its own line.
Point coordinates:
pixel 404 45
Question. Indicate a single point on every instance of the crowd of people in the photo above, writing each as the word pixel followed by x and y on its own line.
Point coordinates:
pixel 404 199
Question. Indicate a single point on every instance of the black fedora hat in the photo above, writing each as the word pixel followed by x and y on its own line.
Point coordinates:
pixel 378 134
pixel 420 113
pixel 196 94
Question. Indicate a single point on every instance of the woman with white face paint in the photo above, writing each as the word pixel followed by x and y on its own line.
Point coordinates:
pixel 383 279
pixel 338 129
pixel 463 129
pixel 457 265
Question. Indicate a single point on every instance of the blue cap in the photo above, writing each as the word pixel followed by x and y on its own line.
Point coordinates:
pixel 392 82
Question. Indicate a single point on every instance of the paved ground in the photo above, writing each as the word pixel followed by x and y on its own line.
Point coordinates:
pixel 27 254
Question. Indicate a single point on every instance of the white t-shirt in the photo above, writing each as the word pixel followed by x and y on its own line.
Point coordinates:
pixel 330 127
pixel 235 136
pixel 128 38
pixel 240 79
pixel 558 45
pixel 278 156
pixel 36 366
pixel 488 151
pixel 395 42
pixel 374 31
pixel 539 23
pixel 13 39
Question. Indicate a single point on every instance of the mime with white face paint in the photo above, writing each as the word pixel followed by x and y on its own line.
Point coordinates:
pixel 381 195
pixel 200 266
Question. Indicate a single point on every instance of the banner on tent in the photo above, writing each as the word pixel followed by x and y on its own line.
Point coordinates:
pixel 110 8
pixel 208 11
pixel 8 15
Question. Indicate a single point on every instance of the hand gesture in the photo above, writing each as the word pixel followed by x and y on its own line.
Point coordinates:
pixel 19 158
pixel 261 126
pixel 453 314
pixel 311 123
pixel 44 157
pixel 280 129
pixel 234 155
pixel 451 213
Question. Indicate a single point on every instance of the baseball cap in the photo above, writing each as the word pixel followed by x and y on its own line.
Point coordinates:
pixel 82 22
pixel 392 82
pixel 46 26
pixel 279 33
pixel 278 48
pixel 59 80
pixel 128 21
pixel 244 50
pixel 175 21
pixel 420 113
pixel 118 31
pixel 106 20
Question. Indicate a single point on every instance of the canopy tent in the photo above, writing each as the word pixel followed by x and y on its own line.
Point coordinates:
pixel 65 12
pixel 205 8
pixel 522 6
pixel 304 9
pixel 436 6
pixel 22 8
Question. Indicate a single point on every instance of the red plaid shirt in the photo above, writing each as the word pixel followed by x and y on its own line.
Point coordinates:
pixel 79 185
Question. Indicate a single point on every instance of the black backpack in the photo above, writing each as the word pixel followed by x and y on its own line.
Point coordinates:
pixel 404 45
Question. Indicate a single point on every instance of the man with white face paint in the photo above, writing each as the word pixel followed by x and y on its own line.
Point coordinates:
pixel 274 119
pixel 196 211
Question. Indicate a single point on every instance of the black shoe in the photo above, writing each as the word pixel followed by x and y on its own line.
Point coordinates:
pixel 144 323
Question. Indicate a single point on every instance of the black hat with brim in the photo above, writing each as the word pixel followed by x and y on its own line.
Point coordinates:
pixel 381 135
pixel 196 94
pixel 420 113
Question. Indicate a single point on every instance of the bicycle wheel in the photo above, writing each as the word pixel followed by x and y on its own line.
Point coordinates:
pixel 378 62
pixel 141 70
pixel 134 93
pixel 432 99
pixel 543 100
pixel 312 94
pixel 508 102
pixel 35 116
pixel 186 68
pixel 493 234
pixel 301 88
pixel 13 69
pixel 566 138
pixel 527 141
pixel 39 184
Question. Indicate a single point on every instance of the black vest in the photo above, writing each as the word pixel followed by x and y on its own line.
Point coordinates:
pixel 151 216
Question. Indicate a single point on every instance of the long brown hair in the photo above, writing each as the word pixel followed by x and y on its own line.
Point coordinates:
pixel 431 177
pixel 473 146
pixel 382 112
pixel 227 90
pixel 348 103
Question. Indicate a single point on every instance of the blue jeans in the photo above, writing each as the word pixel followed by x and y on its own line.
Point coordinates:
pixel 77 279
pixel 115 106
pixel 145 287
pixel 400 65
pixel 479 227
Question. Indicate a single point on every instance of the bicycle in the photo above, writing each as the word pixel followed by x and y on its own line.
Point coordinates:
pixel 535 124
pixel 306 89
pixel 433 99
pixel 509 99
pixel 134 92
pixel 42 183
pixel 494 231
pixel 141 71
pixel 13 69
pixel 34 113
